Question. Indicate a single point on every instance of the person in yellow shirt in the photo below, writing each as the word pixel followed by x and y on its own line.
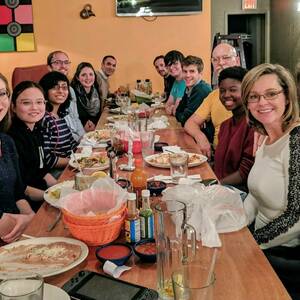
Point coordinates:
pixel 223 56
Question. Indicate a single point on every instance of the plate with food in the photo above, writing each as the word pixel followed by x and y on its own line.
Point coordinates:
pixel 96 162
pixel 97 136
pixel 115 118
pixel 47 256
pixel 161 160
pixel 53 193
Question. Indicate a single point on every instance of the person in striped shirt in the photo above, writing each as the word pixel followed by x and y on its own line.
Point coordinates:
pixel 58 139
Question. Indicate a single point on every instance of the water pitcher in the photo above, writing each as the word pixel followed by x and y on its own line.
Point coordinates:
pixel 175 243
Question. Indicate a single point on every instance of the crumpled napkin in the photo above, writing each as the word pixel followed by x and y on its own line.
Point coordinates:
pixel 158 125
pixel 172 149
pixel 95 144
pixel 113 270
pixel 191 179
pixel 210 210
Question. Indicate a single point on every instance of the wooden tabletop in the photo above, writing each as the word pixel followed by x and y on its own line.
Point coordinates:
pixel 242 271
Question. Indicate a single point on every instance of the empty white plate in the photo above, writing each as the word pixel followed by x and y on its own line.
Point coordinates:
pixel 53 292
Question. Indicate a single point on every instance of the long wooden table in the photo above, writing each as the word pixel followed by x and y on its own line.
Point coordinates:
pixel 242 271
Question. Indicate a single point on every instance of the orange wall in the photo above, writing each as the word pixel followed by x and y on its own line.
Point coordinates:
pixel 134 41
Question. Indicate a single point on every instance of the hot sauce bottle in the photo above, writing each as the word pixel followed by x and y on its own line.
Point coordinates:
pixel 139 181
pixel 146 215
pixel 132 220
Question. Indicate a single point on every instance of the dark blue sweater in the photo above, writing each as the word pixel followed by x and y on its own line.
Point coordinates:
pixel 11 185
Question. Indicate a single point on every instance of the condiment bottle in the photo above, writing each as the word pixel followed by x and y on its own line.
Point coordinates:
pixel 132 220
pixel 139 180
pixel 138 84
pixel 148 86
pixel 146 215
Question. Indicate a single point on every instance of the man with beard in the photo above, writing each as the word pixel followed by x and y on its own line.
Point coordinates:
pixel 161 69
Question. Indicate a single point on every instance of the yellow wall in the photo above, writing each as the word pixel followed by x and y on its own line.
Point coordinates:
pixel 133 41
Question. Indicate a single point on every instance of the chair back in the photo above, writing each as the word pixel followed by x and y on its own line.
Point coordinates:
pixel 33 73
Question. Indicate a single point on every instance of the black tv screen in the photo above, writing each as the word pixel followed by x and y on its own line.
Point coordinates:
pixel 157 7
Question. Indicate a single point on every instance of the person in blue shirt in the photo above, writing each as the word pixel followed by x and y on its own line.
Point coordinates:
pixel 196 88
pixel 173 60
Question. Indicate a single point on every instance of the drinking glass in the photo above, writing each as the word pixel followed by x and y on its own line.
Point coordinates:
pixel 178 165
pixel 193 282
pixel 83 181
pixel 147 143
pixel 23 287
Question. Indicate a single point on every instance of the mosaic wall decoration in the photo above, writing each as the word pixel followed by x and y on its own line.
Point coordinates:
pixel 16 26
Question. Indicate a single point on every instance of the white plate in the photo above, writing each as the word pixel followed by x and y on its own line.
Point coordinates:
pixel 91 137
pixel 52 200
pixel 201 160
pixel 52 292
pixel 74 165
pixel 116 110
pixel 117 118
pixel 42 270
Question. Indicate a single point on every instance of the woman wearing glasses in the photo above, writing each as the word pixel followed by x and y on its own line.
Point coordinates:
pixel 28 106
pixel 15 212
pixel 273 203
pixel 88 95
pixel 58 139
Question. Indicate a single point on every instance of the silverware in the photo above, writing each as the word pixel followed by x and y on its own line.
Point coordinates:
pixel 56 221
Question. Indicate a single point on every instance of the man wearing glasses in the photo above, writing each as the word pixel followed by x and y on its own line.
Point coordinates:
pixel 59 61
pixel 223 56
pixel 173 60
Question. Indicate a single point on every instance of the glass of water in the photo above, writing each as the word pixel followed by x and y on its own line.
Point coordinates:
pixel 22 287
pixel 178 165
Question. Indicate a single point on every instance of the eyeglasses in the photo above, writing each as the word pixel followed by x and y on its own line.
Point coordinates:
pixel 215 60
pixel 4 94
pixel 60 87
pixel 61 62
pixel 269 95
pixel 27 103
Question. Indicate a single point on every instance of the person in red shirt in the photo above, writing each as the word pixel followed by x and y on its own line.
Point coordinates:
pixel 234 153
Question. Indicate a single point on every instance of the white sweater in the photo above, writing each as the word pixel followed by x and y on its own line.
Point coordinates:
pixel 274 192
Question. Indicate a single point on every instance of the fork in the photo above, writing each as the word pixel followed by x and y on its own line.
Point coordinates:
pixel 56 221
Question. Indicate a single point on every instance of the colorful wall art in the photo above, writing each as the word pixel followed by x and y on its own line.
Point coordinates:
pixel 16 26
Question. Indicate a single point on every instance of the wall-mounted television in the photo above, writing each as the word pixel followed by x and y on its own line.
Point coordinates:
pixel 157 7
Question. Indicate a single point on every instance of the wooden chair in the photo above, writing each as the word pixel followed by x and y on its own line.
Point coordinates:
pixel 33 73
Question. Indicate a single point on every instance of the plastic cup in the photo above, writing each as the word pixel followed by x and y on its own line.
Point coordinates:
pixel 26 287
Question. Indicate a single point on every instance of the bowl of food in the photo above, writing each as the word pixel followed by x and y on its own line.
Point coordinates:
pixel 146 250
pixel 156 187
pixel 118 253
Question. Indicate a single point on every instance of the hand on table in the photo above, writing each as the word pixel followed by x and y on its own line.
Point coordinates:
pixel 169 109
pixel 89 126
pixel 22 220
pixel 205 147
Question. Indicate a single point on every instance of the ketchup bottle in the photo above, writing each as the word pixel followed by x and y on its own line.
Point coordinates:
pixel 139 181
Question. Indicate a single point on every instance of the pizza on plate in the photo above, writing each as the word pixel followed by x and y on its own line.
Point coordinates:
pixel 163 159
pixel 93 161
pixel 29 257
pixel 98 135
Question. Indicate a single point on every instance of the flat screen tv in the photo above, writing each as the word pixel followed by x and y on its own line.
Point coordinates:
pixel 157 7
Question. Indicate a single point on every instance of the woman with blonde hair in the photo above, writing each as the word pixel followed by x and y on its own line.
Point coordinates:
pixel 270 98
